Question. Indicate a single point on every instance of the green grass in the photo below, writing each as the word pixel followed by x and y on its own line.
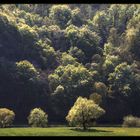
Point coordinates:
pixel 67 131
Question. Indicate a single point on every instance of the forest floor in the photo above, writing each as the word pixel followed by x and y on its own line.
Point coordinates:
pixel 68 131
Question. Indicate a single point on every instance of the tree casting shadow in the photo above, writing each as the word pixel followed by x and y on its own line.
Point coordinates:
pixel 89 130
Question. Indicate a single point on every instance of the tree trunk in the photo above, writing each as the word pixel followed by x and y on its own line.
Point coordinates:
pixel 84 126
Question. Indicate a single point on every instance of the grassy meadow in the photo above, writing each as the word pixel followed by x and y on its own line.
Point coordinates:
pixel 67 131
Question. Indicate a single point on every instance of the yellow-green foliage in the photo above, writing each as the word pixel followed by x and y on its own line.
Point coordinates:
pixel 6 117
pixel 70 77
pixel 60 89
pixel 123 78
pixel 61 14
pixel 131 121
pixel 83 112
pixel 25 68
pixel 38 118
pixel 68 59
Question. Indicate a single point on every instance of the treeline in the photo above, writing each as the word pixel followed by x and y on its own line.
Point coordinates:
pixel 52 54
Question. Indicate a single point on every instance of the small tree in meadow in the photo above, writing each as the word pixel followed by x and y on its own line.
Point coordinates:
pixel 83 112
pixel 38 118
pixel 6 117
pixel 131 121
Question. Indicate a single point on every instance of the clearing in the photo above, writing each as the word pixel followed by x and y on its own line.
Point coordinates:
pixel 69 131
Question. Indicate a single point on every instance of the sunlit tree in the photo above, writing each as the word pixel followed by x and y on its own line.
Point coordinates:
pixel 83 112
pixel 38 118
pixel 6 117
pixel 61 14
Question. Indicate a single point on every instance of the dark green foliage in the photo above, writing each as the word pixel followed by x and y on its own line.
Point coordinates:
pixel 51 54
pixel 122 80
pixel 60 14
pixel 84 39
pixel 77 53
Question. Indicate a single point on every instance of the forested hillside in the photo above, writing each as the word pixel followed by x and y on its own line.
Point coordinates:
pixel 52 54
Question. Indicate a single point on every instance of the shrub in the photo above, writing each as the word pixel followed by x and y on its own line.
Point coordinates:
pixel 6 117
pixel 38 118
pixel 131 121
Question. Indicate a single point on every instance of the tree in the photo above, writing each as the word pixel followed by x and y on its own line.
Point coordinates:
pixel 6 117
pixel 77 17
pixel 97 98
pixel 122 79
pixel 84 39
pixel 61 52
pixel 121 12
pixel 73 34
pixel 100 88
pixel 86 10
pixel 108 49
pixel 68 59
pixel 28 34
pixel 45 55
pixel 71 77
pixel 133 41
pixel 77 53
pixel 38 118
pixel 83 112
pixel 74 80
pixel 60 14
pixel 101 23
pixel 114 37
pixel 131 121
pixel 110 62
pixel 26 70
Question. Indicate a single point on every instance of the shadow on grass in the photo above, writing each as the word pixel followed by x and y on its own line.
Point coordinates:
pixel 89 130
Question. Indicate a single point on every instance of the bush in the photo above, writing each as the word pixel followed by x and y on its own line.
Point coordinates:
pixel 6 117
pixel 38 118
pixel 131 121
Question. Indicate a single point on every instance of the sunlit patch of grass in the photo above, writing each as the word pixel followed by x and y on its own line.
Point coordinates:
pixel 69 131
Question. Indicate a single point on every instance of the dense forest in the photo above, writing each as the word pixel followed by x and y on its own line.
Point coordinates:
pixel 50 54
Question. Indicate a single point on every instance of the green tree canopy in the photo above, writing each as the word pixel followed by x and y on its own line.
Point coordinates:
pixel 61 14
pixel 83 112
